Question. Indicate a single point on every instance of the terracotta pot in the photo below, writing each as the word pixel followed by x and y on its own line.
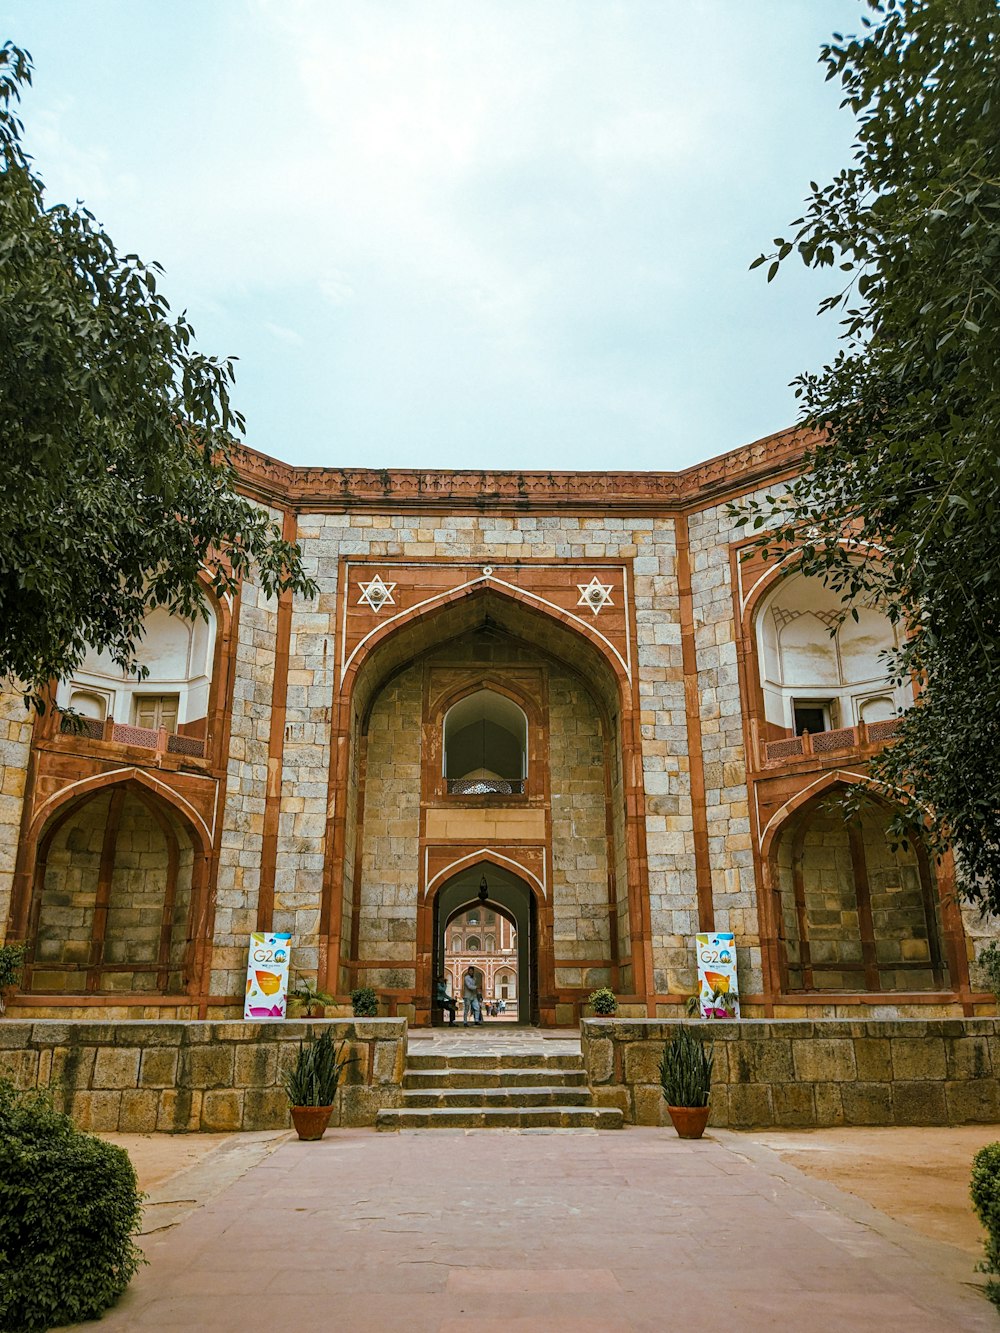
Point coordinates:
pixel 311 1121
pixel 689 1121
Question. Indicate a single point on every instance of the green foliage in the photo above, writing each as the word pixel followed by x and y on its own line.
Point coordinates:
pixel 985 1191
pixel 69 1208
pixel 11 963
pixel 603 1001
pixel 118 485
pixel 364 1002
pixel 315 1076
pixel 989 964
pixel 686 1070
pixel 899 505
pixel 308 995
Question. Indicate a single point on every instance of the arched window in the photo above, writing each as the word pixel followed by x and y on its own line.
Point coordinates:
pixel 456 944
pixel 858 911
pixel 173 695
pixel 485 745
pixel 472 943
pixel 820 668
pixel 491 944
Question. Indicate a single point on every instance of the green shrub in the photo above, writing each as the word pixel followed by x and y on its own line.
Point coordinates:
pixel 603 1001
pixel 11 963
pixel 315 1076
pixel 985 1191
pixel 686 1070
pixel 364 1002
pixel 988 963
pixel 69 1208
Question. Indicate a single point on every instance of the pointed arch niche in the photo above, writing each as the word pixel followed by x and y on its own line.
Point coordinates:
pixel 854 912
pixel 553 705
pixel 117 889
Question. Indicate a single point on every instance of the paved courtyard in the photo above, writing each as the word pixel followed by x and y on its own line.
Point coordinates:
pixel 561 1231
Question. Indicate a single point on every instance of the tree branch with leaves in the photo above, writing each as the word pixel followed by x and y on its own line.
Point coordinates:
pixel 119 489
pixel 900 501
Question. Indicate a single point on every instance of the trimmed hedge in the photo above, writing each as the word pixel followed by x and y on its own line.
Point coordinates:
pixel 985 1191
pixel 69 1208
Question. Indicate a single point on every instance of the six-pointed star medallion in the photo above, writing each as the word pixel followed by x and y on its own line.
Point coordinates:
pixel 595 594
pixel 377 593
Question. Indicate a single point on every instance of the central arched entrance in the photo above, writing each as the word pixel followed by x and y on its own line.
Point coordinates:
pixel 485 890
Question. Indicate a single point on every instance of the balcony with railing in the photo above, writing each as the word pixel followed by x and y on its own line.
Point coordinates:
pixel 485 786
pixel 820 743
pixel 146 738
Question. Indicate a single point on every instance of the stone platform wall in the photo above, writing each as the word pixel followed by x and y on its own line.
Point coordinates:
pixel 771 1073
pixel 183 1076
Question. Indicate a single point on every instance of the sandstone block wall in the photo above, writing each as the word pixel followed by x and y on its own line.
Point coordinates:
pixel 771 1073
pixel 581 922
pixel 177 1077
pixel 15 744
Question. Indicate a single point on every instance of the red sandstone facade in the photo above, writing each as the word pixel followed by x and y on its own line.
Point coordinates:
pixel 609 625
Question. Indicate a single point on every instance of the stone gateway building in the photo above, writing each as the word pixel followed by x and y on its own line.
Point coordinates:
pixel 580 699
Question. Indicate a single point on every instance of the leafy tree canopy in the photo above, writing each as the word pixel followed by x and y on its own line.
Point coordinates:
pixel 907 470
pixel 118 486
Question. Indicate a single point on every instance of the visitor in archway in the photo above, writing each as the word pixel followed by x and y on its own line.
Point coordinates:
pixel 470 997
pixel 444 999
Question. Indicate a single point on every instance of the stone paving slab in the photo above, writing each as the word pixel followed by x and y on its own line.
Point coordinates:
pixel 441 1231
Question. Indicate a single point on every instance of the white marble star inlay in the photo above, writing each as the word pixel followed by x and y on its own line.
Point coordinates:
pixel 377 593
pixel 595 594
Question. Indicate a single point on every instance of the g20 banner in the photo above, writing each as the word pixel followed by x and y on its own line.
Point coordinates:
pixel 718 986
pixel 267 976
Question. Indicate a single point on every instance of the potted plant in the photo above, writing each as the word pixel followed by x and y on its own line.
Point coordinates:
pixel 718 1004
pixel 11 963
pixel 603 1002
pixel 308 997
pixel 311 1084
pixel 364 1002
pixel 686 1080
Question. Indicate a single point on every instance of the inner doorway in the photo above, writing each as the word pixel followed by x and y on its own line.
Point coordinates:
pixel 484 938
pixel 481 907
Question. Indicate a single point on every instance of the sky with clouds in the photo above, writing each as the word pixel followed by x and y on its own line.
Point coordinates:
pixel 461 233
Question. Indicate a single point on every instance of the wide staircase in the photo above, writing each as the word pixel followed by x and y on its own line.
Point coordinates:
pixel 496 1089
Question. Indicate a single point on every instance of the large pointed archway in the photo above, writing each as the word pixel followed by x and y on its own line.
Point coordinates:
pixel 584 863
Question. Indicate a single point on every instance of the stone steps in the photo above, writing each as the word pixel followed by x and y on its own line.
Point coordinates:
pixel 502 1098
pixel 524 1117
pixel 494 1060
pixel 422 1079
pixel 512 1090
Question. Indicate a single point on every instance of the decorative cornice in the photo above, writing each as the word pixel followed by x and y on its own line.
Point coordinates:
pixel 322 489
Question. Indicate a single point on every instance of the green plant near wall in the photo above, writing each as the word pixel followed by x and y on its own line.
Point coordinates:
pixel 308 995
pixel 603 1002
pixel 364 1002
pixel 989 964
pixel 985 1191
pixel 686 1070
pixel 11 963
pixel 69 1209
pixel 314 1078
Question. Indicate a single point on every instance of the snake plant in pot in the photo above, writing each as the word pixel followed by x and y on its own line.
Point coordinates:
pixel 311 1084
pixel 686 1080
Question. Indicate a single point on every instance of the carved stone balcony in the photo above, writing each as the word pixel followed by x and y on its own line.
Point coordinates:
pixel 147 738
pixel 485 786
pixel 865 735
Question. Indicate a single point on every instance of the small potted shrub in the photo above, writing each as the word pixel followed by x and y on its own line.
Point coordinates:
pixel 686 1080
pixel 307 996
pixel 603 1002
pixel 11 964
pixel 311 1084
pixel 364 1002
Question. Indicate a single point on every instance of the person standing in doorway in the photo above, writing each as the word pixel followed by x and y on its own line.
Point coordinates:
pixel 470 990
